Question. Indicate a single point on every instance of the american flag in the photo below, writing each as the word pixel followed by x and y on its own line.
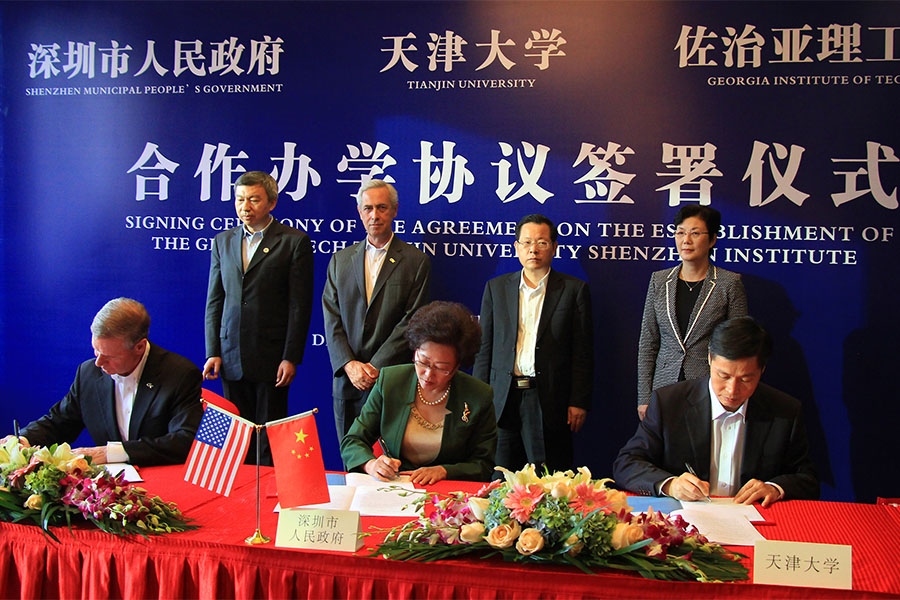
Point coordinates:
pixel 218 450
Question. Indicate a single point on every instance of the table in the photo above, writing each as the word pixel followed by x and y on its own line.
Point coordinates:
pixel 214 562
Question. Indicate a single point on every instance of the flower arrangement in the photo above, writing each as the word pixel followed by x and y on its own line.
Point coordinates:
pixel 563 517
pixel 52 486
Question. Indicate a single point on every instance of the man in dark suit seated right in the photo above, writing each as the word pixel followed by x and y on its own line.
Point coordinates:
pixel 742 438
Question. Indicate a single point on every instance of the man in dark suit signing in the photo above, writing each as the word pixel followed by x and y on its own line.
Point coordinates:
pixel 741 438
pixel 537 353
pixel 140 403
pixel 372 289
pixel 258 305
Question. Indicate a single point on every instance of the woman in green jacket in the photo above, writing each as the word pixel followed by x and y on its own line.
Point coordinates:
pixel 433 421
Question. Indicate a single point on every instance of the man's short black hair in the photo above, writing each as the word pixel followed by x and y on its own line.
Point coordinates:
pixel 741 337
pixel 537 220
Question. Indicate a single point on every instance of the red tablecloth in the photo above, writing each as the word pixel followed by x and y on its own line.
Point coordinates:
pixel 214 561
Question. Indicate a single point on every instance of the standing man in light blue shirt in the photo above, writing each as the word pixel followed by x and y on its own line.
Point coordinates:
pixel 258 305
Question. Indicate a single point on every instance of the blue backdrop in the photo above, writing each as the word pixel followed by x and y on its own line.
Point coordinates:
pixel 125 124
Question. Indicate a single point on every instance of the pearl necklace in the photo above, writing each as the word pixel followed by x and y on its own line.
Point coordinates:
pixel 436 402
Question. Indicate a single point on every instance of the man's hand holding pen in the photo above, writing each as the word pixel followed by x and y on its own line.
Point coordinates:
pixel 687 487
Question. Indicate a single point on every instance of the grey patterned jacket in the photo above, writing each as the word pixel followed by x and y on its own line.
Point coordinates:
pixel 662 352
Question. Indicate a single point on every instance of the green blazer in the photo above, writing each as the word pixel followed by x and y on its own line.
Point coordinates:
pixel 467 446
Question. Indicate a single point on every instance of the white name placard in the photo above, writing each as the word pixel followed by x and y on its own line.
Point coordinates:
pixel 803 564
pixel 318 529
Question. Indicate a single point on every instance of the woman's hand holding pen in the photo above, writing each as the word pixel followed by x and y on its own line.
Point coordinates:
pixel 383 468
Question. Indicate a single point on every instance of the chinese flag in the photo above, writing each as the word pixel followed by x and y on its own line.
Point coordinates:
pixel 297 454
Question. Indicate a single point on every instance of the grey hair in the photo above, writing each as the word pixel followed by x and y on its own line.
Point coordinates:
pixel 375 184
pixel 122 318
pixel 251 178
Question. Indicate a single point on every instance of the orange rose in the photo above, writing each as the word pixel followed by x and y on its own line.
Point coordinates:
pixel 625 534
pixel 617 500
pixel 78 463
pixel 530 541
pixel 471 532
pixel 503 536
pixel 574 546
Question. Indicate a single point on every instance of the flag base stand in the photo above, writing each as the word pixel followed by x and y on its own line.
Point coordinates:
pixel 257 538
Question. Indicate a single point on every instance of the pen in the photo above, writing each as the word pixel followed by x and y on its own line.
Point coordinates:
pixel 384 448
pixel 16 429
pixel 692 472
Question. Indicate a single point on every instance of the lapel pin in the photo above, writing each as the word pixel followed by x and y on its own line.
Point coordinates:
pixel 265 250
pixel 149 385
pixel 392 260
pixel 466 412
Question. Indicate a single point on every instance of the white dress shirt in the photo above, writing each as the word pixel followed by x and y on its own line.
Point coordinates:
pixel 531 303
pixel 374 261
pixel 726 451
pixel 126 387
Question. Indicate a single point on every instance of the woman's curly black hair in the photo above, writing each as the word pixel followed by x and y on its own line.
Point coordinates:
pixel 448 323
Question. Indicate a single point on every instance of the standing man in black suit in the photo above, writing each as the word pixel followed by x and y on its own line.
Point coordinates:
pixel 140 403
pixel 258 305
pixel 537 353
pixel 740 437
pixel 372 290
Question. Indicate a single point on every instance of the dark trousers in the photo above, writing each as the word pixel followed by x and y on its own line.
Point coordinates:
pixel 259 402
pixel 524 436
pixel 345 412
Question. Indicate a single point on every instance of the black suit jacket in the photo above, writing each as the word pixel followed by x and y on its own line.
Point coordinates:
pixel 564 351
pixel 372 332
pixel 677 430
pixel 254 320
pixel 164 420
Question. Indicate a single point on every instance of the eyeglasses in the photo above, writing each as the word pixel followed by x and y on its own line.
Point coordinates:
pixel 689 234
pixel 540 244
pixel 430 367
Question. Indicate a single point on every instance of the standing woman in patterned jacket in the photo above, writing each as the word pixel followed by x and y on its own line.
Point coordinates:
pixel 683 306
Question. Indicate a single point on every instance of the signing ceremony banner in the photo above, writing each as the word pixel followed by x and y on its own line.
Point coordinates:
pixel 125 125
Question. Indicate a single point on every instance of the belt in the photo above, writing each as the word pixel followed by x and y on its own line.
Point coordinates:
pixel 523 383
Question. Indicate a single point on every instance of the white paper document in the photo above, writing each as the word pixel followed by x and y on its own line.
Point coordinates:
pixel 131 473
pixel 364 479
pixel 371 499
pixel 721 506
pixel 383 502
pixel 722 521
